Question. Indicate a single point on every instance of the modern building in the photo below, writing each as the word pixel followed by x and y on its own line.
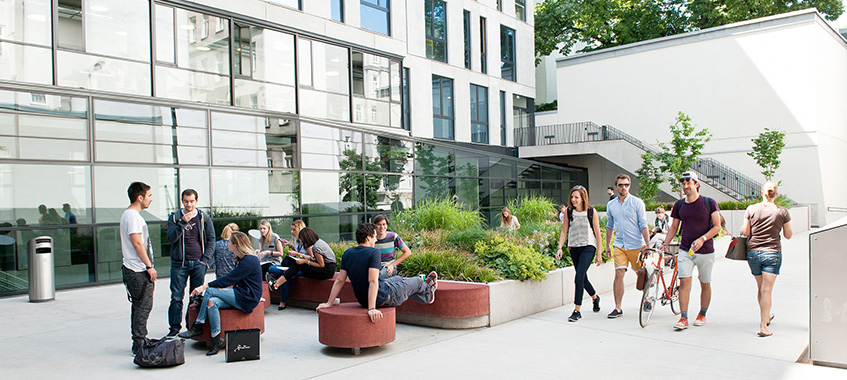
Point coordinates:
pixel 325 110
pixel 785 72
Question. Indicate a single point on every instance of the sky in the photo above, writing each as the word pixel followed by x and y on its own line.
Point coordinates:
pixel 841 23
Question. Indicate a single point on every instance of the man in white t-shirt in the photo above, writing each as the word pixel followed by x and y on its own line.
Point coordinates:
pixel 138 272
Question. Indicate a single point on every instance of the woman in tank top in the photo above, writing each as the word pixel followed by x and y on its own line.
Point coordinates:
pixel 581 225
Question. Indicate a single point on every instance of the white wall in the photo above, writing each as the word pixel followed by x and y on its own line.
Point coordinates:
pixel 783 72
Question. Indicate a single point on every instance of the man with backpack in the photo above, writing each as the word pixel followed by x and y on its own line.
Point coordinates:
pixel 701 221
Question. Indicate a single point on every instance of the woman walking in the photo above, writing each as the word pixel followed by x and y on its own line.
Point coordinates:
pixel 762 224
pixel 582 229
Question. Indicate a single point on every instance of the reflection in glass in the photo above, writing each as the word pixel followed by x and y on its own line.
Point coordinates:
pixel 324 105
pixel 165 51
pixel 119 28
pixel 468 192
pixel 375 16
pixel 429 188
pixel 335 227
pixel 41 103
pixel 388 192
pixel 264 54
pixel 266 96
pixel 110 260
pixel 434 160
pixel 331 192
pixel 479 114
pixel 337 11
pixel 281 140
pixel 36 194
pixel 252 192
pixel 25 63
pixel 388 155
pixel 100 73
pixel 442 107
pixel 239 140
pixel 194 51
pixel 435 23
pixel 70 23
pixel 73 256
pixel 330 148
pixel 507 53
pixel 189 85
pixel 26 21
pixel 51 149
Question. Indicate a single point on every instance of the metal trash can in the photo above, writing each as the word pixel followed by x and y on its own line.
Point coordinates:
pixel 42 285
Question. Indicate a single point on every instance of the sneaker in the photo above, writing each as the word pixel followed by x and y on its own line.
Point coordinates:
pixel 596 304
pixel 615 314
pixel 681 325
pixel 700 320
pixel 271 280
pixel 647 306
pixel 136 346
pixel 575 316
pixel 432 281
pixel 172 332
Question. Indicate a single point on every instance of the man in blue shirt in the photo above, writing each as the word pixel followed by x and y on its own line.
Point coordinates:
pixel 362 263
pixel 626 216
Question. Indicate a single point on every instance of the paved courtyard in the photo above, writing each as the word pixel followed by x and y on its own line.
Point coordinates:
pixel 84 334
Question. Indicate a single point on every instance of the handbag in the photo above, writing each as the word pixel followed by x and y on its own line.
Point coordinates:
pixel 242 345
pixel 737 249
pixel 642 278
pixel 158 353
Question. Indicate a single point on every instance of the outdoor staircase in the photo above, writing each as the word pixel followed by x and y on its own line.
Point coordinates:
pixel 721 177
pixel 10 282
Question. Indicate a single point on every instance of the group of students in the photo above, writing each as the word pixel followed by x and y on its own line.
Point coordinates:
pixel 700 215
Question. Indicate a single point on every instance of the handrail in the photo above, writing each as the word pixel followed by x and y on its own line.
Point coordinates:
pixel 721 177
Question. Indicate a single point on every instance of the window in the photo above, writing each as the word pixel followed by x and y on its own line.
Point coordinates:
pixel 220 25
pixel 479 114
pixel 467 41
pixel 264 69
pixel 503 118
pixel 507 53
pixel 435 21
pixel 324 80
pixel 483 46
pixel 205 33
pixel 407 113
pixel 442 107
pixel 523 108
pixel 376 16
pixel 500 5
pixel 337 10
pixel 288 3
pixel 520 10
pixel 372 89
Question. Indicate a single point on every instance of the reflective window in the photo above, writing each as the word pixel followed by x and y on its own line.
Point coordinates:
pixel 520 10
pixel 502 168
pixel 119 28
pixel 288 3
pixel 335 227
pixel 434 160
pixel 468 192
pixel 106 74
pixel 376 16
pixel 239 140
pixel 110 259
pixel 503 118
pixel 191 85
pixel 442 107
pixel 73 256
pixel 264 69
pixel 330 148
pixel 385 192
pixel 407 107
pixel 507 53
pixel 50 128
pixel 427 188
pixel 331 192
pixel 523 110
pixel 385 154
pixel 435 23
pixel 250 192
pixel 281 140
pixel 372 89
pixel 45 194
pixel 466 20
pixel 23 63
pixel 324 80
pixel 483 45
pixel 165 29
pixel 479 114
pixel 337 11
pixel 26 21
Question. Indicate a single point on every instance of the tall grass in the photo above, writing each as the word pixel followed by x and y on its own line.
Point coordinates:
pixel 437 214
pixel 450 265
pixel 532 209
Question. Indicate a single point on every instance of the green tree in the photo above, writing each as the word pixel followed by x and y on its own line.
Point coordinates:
pixel 684 150
pixel 766 150
pixel 651 177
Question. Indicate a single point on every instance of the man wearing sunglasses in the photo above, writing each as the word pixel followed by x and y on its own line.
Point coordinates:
pixel 627 216
pixel 701 220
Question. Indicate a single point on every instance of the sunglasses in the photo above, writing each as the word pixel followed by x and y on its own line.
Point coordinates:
pixel 622 185
pixel 578 187
pixel 686 179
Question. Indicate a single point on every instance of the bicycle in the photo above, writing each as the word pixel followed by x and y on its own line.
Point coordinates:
pixel 670 289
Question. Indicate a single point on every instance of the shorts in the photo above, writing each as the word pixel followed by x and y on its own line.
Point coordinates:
pixel 622 258
pixel 703 261
pixel 764 261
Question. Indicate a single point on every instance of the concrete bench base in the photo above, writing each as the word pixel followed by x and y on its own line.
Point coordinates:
pixel 349 326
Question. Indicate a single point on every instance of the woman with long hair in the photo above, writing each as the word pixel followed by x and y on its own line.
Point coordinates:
pixel 508 220
pixel 270 250
pixel 318 262
pixel 762 224
pixel 297 250
pixel 581 226
pixel 241 289
pixel 224 259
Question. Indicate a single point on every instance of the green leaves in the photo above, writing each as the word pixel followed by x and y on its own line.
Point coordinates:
pixel 532 209
pixel 766 150
pixel 673 159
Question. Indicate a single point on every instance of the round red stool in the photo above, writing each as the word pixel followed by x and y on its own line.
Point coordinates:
pixel 348 326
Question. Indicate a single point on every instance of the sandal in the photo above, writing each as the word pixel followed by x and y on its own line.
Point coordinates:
pixel 764 335
pixel 770 320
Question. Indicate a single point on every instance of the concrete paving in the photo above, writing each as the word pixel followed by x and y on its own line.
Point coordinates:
pixel 84 334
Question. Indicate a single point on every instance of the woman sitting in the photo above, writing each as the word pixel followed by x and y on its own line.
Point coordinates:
pixel 509 221
pixel 270 251
pixel 276 271
pixel 224 259
pixel 318 262
pixel 241 289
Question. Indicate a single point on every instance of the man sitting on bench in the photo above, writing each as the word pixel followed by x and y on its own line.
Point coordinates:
pixel 362 264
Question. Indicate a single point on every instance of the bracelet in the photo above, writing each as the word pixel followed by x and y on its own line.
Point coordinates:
pixel 149 267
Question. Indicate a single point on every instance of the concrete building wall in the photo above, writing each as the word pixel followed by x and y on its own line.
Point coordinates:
pixel 783 72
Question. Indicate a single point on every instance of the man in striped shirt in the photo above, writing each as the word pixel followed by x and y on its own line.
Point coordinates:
pixel 388 243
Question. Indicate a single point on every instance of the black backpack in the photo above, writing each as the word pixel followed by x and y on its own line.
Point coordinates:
pixel 590 218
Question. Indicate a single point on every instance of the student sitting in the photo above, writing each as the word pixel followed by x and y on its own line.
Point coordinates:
pixel 318 262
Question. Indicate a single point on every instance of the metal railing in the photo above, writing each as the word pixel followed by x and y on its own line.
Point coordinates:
pixel 712 172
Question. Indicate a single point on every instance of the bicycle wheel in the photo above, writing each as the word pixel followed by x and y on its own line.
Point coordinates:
pixel 675 296
pixel 648 299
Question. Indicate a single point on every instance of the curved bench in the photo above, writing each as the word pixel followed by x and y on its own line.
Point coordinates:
pixel 308 293
pixel 349 326
pixel 235 319
pixel 458 305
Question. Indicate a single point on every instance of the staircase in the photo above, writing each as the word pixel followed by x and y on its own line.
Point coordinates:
pixel 10 282
pixel 723 178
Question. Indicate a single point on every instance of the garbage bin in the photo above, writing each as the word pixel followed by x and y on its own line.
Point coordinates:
pixel 42 285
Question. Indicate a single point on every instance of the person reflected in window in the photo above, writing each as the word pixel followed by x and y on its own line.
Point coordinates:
pixel 70 218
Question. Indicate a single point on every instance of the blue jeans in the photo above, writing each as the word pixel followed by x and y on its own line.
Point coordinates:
pixel 400 289
pixel 582 258
pixel 764 261
pixel 193 272
pixel 277 272
pixel 221 298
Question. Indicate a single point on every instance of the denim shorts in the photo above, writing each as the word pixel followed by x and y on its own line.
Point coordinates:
pixel 764 261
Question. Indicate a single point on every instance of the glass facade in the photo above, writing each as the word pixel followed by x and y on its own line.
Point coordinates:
pixel 435 22
pixel 507 53
pixel 520 10
pixel 479 114
pixel 466 21
pixel 442 107
pixel 483 45
pixel 376 16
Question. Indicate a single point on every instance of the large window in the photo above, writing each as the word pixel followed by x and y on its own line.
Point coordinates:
pixel 376 90
pixel 483 45
pixel 520 10
pixel 467 40
pixel 337 11
pixel 523 109
pixel 192 61
pixel 435 21
pixel 442 107
pixel 25 39
pixel 264 69
pixel 376 16
pixel 479 114
pixel 104 45
pixel 50 127
pixel 507 53
pixel 324 83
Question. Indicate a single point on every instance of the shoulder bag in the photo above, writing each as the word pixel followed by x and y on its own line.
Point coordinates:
pixel 737 249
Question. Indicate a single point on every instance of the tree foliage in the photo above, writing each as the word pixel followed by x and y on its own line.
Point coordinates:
pixel 600 24
pixel 651 177
pixel 766 150
pixel 673 158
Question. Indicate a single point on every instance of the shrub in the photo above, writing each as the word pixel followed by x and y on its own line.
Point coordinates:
pixel 338 249
pixel 437 214
pixel 513 261
pixel 466 240
pixel 600 208
pixel 532 209
pixel 450 265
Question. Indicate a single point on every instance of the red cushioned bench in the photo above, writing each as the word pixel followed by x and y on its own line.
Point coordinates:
pixel 308 293
pixel 348 326
pixel 458 305
pixel 234 319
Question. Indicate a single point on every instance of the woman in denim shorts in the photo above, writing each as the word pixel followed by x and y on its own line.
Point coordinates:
pixel 762 224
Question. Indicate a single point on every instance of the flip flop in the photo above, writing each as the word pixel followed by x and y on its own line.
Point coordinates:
pixel 764 335
pixel 769 320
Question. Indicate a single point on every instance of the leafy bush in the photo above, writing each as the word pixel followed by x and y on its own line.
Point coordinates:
pixel 338 249
pixel 600 208
pixel 437 214
pixel 532 209
pixel 513 261
pixel 466 240
pixel 450 265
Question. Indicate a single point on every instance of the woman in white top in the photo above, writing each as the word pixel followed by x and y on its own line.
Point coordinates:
pixel 508 220
pixel 271 251
pixel 582 228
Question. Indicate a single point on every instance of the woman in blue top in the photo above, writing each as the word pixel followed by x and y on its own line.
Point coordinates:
pixel 224 259
pixel 241 289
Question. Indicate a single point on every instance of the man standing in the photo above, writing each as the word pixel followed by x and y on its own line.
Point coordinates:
pixel 362 264
pixel 701 220
pixel 192 237
pixel 138 273
pixel 388 243
pixel 610 191
pixel 625 215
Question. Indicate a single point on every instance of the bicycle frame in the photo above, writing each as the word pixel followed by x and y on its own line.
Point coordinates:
pixel 660 265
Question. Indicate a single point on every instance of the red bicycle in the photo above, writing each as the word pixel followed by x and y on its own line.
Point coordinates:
pixel 661 264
